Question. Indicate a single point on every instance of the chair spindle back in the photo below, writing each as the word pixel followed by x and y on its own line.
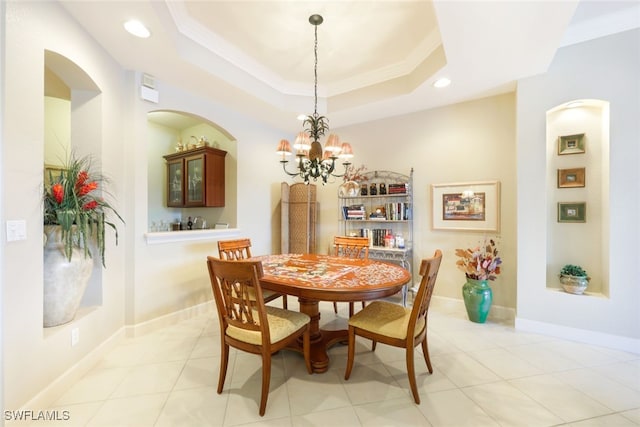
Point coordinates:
pixel 351 247
pixel 234 250
pixel 429 271
pixel 238 295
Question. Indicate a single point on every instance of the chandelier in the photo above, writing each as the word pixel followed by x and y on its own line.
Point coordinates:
pixel 312 162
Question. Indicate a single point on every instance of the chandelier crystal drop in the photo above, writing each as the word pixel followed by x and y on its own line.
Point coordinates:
pixel 311 161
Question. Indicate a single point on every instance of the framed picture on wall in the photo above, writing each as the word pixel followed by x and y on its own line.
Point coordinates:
pixel 572 212
pixel 571 178
pixel 571 144
pixel 466 206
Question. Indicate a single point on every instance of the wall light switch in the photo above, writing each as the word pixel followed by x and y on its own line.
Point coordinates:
pixel 16 230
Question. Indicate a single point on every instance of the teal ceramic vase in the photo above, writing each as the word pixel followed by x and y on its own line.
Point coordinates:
pixel 477 297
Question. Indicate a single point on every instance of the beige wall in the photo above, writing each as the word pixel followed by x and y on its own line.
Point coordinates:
pixel 472 141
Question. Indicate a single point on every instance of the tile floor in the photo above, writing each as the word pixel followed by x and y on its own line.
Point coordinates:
pixel 484 375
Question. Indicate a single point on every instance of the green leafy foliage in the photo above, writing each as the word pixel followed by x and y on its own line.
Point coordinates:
pixel 573 270
pixel 316 126
pixel 73 200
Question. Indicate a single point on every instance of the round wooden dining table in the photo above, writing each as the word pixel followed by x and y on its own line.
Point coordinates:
pixel 314 278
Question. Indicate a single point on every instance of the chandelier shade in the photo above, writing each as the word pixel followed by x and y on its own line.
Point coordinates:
pixel 284 148
pixel 312 162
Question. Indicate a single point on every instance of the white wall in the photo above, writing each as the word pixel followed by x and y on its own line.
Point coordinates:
pixel 33 356
pixel 172 276
pixel 605 69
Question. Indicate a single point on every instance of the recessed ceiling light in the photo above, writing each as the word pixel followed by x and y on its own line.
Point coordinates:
pixel 137 28
pixel 442 82
pixel 301 117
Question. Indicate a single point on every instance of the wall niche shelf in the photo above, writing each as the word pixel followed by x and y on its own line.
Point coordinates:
pixel 578 192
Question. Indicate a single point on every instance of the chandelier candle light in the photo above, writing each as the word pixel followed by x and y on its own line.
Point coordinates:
pixel 311 161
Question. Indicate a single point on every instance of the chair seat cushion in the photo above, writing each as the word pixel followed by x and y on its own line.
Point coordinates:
pixel 282 323
pixel 385 318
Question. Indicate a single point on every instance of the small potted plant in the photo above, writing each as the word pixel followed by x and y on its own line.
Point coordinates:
pixel 574 279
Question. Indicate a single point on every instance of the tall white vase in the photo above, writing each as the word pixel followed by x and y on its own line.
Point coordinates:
pixel 64 281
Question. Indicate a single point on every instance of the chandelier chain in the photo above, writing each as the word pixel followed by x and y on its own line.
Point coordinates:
pixel 315 73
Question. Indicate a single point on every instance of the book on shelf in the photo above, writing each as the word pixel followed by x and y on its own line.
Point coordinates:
pixel 397 188
pixel 354 212
pixel 378 234
pixel 398 211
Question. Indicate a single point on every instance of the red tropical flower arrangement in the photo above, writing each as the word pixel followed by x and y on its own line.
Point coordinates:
pixel 73 200
pixel 481 262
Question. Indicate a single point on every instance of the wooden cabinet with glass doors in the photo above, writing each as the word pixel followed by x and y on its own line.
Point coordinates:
pixel 195 178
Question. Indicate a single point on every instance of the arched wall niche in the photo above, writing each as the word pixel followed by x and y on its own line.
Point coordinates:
pixel 73 124
pixel 166 128
pixel 578 173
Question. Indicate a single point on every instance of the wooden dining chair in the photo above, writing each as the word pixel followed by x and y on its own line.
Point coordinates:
pixel 239 249
pixel 398 326
pixel 247 324
pixel 350 247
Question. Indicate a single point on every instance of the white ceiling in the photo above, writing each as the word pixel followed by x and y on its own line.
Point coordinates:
pixel 375 58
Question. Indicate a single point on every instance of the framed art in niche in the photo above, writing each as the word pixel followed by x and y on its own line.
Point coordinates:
pixel 571 144
pixel 571 178
pixel 572 212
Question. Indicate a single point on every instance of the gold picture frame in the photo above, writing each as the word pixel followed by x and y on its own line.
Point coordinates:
pixel 571 178
pixel 571 144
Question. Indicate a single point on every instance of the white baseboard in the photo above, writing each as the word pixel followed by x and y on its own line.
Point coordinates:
pixel 169 319
pixel 497 313
pixel 616 342
pixel 54 390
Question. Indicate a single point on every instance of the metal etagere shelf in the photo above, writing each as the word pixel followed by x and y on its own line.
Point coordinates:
pixel 374 216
